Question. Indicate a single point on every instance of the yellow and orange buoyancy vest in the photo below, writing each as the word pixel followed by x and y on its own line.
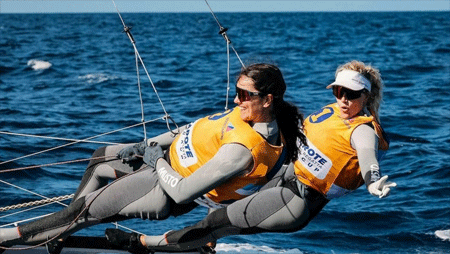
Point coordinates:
pixel 202 139
pixel 329 163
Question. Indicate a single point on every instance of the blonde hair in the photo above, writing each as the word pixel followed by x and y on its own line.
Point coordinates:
pixel 373 75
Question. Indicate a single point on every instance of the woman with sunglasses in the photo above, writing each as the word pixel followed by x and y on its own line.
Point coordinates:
pixel 343 141
pixel 213 162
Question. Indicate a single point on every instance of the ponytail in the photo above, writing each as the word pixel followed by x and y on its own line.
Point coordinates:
pixel 290 123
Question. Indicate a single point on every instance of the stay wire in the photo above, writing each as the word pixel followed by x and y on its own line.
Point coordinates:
pixel 140 97
pixel 77 141
pixel 228 75
pixel 58 163
pixel 223 32
pixel 127 30
pixel 55 138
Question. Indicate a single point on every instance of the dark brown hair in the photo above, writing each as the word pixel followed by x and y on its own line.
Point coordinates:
pixel 268 79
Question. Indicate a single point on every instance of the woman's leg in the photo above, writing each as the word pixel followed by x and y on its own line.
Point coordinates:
pixel 277 209
pixel 134 195
pixel 105 166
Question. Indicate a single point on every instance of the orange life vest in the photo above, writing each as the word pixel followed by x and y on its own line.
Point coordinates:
pixel 329 163
pixel 202 139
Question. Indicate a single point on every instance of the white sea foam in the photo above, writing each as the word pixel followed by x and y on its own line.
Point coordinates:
pixel 443 234
pixel 37 64
pixel 97 78
pixel 250 249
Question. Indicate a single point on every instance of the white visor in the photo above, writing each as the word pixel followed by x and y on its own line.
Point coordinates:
pixel 352 80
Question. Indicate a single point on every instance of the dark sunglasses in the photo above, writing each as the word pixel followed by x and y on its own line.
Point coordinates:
pixel 339 91
pixel 244 95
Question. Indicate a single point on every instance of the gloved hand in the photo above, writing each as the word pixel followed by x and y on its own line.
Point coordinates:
pixel 152 154
pixel 130 153
pixel 381 188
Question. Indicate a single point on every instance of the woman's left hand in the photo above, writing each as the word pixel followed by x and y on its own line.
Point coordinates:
pixel 381 188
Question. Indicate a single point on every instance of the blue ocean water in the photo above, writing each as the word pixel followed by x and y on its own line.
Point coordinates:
pixel 74 76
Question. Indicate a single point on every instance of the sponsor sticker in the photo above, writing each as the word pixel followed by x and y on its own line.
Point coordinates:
pixel 314 160
pixel 185 149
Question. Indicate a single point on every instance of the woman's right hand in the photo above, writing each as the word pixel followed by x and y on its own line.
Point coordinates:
pixel 132 152
pixel 381 188
pixel 152 154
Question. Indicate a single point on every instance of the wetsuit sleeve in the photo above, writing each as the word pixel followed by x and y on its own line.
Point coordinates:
pixel 166 139
pixel 230 161
pixel 365 141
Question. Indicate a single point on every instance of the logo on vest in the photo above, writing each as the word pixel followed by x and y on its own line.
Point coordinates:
pixel 185 149
pixel 314 160
pixel 229 127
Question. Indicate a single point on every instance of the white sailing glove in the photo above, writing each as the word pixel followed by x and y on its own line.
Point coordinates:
pixel 381 188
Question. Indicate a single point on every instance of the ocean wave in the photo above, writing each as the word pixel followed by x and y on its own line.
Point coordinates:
pixel 408 139
pixel 249 248
pixel 8 172
pixel 37 64
pixel 6 69
pixel 443 234
pixel 97 78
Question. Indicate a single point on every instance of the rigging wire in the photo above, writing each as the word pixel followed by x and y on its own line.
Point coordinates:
pixel 70 225
pixel 223 32
pixel 57 163
pixel 55 138
pixel 31 192
pixel 76 141
pixel 127 30
pixel 140 96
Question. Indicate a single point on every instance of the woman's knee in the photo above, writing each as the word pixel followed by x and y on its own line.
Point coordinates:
pixel 292 216
pixel 97 157
pixel 274 209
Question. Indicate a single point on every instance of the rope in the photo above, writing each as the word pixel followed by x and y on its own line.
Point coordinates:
pixel 70 225
pixel 54 138
pixel 56 163
pixel 35 203
pixel 78 141
pixel 32 192
pixel 22 211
